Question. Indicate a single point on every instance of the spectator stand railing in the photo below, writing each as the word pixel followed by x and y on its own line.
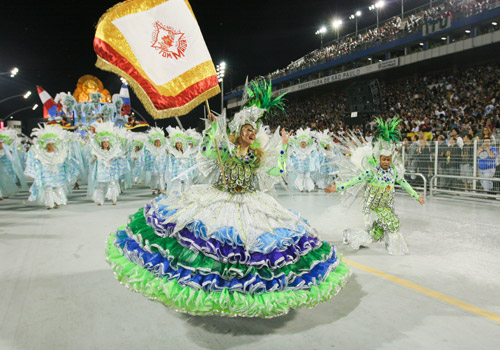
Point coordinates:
pixel 422 188
pixel 454 166
pixel 350 43
pixel 491 194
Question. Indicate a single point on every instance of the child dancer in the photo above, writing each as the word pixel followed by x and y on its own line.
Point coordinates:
pixel 380 175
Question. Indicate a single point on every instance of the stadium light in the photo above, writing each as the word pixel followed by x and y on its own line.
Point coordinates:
pixel 221 70
pixel 336 25
pixel 12 72
pixel 467 31
pixel 25 95
pixel 355 17
pixel 320 32
pixel 19 110
pixel 378 5
pixel 494 23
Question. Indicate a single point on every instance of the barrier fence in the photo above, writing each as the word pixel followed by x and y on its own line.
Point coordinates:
pixel 461 166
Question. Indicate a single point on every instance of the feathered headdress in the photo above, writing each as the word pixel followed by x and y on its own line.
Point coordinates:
pixel 192 136
pixel 105 131
pixel 139 139
pixel 123 135
pixel 260 100
pixel 305 135
pixel 386 137
pixel 247 116
pixel 8 135
pixel 323 137
pixel 260 94
pixel 155 133
pixel 46 134
pixel 175 134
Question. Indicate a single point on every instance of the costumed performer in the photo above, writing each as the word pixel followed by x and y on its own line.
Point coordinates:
pixel 137 157
pixel 50 165
pixel 11 169
pixel 179 161
pixel 156 160
pixel 304 159
pixel 380 171
pixel 328 159
pixel 229 249
pixel 104 170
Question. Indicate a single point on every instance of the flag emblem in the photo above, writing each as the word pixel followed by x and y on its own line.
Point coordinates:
pixel 169 42
pixel 158 47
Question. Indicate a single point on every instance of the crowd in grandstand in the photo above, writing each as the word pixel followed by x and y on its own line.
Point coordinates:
pixel 466 100
pixel 392 29
pixel 452 109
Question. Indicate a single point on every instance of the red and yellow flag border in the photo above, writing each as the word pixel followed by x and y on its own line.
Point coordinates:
pixel 177 97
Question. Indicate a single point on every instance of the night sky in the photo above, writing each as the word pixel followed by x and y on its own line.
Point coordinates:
pixel 51 42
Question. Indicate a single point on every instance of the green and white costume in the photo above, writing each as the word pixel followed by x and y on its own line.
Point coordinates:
pixel 228 249
pixel 381 221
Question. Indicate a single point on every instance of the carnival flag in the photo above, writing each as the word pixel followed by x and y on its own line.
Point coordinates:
pixel 157 46
pixel 49 105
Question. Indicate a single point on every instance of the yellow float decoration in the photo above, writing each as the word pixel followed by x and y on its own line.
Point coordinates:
pixel 89 84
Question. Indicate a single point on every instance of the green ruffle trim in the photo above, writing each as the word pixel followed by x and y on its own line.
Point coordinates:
pixel 178 255
pixel 199 302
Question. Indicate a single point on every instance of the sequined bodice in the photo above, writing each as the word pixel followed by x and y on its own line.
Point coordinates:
pixel 240 177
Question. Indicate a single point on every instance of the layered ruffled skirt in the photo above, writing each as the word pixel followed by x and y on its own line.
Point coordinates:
pixel 208 252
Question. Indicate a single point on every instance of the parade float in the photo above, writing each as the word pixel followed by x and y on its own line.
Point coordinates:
pixel 89 103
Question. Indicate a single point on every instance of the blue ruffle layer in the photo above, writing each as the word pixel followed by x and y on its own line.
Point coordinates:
pixel 160 266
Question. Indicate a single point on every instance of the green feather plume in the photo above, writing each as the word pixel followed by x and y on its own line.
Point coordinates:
pixel 386 130
pixel 260 94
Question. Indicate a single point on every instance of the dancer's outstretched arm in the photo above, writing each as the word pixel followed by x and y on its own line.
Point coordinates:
pixel 411 191
pixel 362 177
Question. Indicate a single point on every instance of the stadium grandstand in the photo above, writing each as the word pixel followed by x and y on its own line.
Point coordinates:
pixel 436 68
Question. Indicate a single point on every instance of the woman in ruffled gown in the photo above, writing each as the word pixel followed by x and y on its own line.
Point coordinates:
pixel 104 173
pixel 156 160
pixel 179 161
pixel 228 248
pixel 50 165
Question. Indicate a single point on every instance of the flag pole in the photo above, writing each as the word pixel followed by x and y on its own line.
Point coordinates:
pixel 217 149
